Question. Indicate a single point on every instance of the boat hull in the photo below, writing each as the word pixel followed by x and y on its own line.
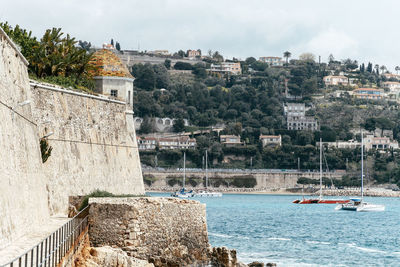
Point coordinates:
pixel 363 207
pixel 320 201
pixel 333 201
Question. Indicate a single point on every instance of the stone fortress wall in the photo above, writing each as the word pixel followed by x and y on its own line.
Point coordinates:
pixel 23 196
pixel 92 146
pixel 93 140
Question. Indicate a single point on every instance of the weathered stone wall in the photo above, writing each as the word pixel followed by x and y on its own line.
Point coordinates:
pixel 161 230
pixel 23 196
pixel 265 180
pixel 94 145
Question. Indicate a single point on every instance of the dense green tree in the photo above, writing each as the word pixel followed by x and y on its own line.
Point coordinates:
pixel 145 76
pixel 183 66
pixel 167 63
pixel 179 125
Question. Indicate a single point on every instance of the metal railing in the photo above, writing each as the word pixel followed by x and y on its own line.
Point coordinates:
pixel 52 250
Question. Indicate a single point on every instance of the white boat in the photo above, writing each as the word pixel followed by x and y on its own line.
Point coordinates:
pixel 204 193
pixel 182 193
pixel 358 204
pixel 207 193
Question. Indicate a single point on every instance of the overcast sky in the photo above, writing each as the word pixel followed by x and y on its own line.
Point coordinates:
pixel 366 30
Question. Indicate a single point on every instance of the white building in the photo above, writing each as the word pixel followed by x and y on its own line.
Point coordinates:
pixel 271 140
pixel 226 67
pixel 230 140
pixel 336 80
pixel 372 142
pixel 272 61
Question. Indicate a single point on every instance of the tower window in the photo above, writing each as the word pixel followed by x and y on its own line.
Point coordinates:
pixel 114 93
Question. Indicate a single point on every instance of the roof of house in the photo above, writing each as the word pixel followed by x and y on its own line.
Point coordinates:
pixel 269 136
pixel 367 89
pixel 105 62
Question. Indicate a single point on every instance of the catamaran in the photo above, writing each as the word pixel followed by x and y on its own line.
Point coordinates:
pixel 358 204
pixel 206 193
pixel 320 199
pixel 182 193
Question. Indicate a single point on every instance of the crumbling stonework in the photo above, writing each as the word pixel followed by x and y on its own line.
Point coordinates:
pixel 164 231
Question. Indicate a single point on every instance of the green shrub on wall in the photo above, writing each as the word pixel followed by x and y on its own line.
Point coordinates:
pixel 246 181
pixel 45 149
pixel 149 179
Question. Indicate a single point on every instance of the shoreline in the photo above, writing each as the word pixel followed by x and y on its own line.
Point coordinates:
pixel 369 192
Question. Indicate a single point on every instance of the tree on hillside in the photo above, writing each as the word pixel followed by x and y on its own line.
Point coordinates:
pixel 112 42
pixel 181 53
pixel 383 69
pixel 179 125
pixel 307 57
pixel 182 66
pixel 331 59
pixel 117 46
pixel 397 69
pixel 85 45
pixel 145 76
pixel 287 55
pixel 167 63
pixel 250 60
pixel 369 67
pixel 218 57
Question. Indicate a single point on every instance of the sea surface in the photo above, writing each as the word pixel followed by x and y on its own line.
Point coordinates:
pixel 270 228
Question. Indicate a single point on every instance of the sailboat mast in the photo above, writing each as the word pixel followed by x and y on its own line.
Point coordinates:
pixel 184 169
pixel 320 168
pixel 362 166
pixel 206 169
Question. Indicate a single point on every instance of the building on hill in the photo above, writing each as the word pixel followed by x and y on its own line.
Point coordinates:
pixel 351 144
pixel 294 109
pixel 226 67
pixel 368 93
pixel 108 46
pixel 160 124
pixel 166 142
pixel 193 53
pixel 230 140
pixel 379 143
pixel 391 76
pixel 271 140
pixel 391 86
pixel 112 78
pixel 393 89
pixel 331 80
pixel 272 61
pixel 296 118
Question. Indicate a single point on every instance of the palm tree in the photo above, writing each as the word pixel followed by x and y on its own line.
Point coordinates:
pixel 397 69
pixel 287 55
pixel 377 68
pixel 383 68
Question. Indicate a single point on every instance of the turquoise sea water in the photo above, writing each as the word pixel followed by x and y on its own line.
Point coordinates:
pixel 269 228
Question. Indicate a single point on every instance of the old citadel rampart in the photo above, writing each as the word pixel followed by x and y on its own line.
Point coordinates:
pixel 93 140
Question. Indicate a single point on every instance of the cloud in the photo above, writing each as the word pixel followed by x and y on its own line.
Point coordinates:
pixel 239 28
pixel 335 42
